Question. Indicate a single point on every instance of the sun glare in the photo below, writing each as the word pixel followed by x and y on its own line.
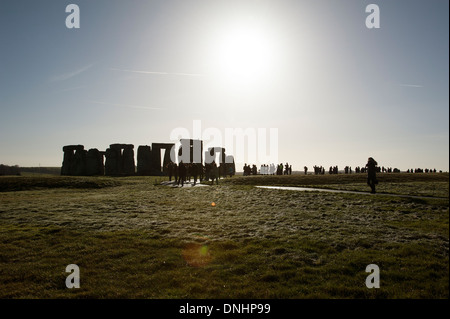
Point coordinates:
pixel 244 55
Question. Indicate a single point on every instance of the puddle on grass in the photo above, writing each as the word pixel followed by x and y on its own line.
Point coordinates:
pixel 186 184
pixel 306 189
pixel 310 189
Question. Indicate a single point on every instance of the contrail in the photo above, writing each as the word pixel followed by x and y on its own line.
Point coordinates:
pixel 69 75
pixel 412 85
pixel 127 105
pixel 73 88
pixel 159 73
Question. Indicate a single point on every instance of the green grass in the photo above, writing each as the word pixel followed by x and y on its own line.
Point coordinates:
pixel 433 185
pixel 44 181
pixel 132 238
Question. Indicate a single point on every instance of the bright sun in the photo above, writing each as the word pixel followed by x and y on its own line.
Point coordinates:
pixel 244 55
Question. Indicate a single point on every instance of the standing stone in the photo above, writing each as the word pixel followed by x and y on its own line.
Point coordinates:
pixel 129 167
pixel 144 160
pixel 120 160
pixel 73 163
pixel 191 151
pixel 112 162
pixel 80 162
pixel 67 162
pixel 156 157
pixel 94 162
pixel 118 169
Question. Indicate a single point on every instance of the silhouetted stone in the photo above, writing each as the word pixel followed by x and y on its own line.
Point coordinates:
pixel 210 157
pixel 156 157
pixel 67 163
pixel 80 162
pixel 94 162
pixel 120 160
pixel 144 160
pixel 112 162
pixel 191 151
pixel 129 167
pixel 74 161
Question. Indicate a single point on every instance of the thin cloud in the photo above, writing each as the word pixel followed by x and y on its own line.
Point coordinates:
pixel 411 85
pixel 158 73
pixel 69 75
pixel 73 88
pixel 127 105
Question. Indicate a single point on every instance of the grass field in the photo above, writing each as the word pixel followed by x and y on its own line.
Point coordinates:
pixel 133 238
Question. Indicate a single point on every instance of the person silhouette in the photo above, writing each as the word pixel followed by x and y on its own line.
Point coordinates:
pixel 181 173
pixel 372 173
pixel 214 174
pixel 194 172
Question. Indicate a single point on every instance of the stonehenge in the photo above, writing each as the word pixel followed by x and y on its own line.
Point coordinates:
pixel 79 162
pixel 118 159
pixel 94 162
pixel 156 157
pixel 74 162
pixel 195 154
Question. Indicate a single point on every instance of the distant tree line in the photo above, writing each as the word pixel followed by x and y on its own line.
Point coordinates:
pixel 42 170
pixel 9 170
pixel 16 170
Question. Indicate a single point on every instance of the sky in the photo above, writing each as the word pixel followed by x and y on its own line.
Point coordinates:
pixel 135 72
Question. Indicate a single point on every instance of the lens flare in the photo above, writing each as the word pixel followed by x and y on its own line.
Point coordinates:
pixel 197 255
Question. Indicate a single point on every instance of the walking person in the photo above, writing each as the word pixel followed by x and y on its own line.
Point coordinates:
pixel 194 172
pixel 181 173
pixel 372 174
pixel 170 170
pixel 214 173
pixel 175 172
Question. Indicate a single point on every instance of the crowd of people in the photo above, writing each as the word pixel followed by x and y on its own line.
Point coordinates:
pixel 286 169
pixel 420 170
pixel 371 168
pixel 184 172
pixel 320 170
pixel 267 169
